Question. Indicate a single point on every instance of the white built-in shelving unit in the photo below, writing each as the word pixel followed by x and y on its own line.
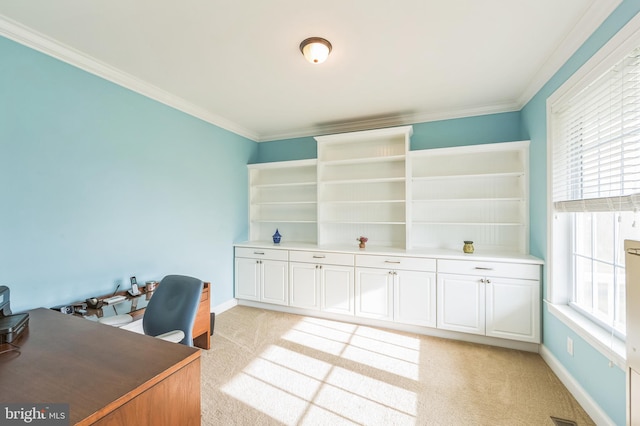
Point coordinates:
pixel 369 183
pixel 362 187
pixel 478 193
pixel 283 196
pixel 417 208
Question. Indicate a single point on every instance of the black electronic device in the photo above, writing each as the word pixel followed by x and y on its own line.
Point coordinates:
pixel 65 309
pixel 11 326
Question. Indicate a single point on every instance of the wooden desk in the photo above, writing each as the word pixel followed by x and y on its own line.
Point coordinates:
pixel 106 375
pixel 201 328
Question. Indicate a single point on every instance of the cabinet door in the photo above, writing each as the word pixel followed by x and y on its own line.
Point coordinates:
pixel 304 285
pixel 513 309
pixel 337 289
pixel 633 404
pixel 374 293
pixel 461 303
pixel 247 278
pixel 415 298
pixel 275 282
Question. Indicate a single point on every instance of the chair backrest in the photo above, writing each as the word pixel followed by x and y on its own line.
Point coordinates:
pixel 173 306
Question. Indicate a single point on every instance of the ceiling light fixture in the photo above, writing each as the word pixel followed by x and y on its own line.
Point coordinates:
pixel 315 49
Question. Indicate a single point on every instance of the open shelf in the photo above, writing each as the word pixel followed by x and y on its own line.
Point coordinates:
pixel 362 178
pixel 370 184
pixel 283 196
pixel 477 193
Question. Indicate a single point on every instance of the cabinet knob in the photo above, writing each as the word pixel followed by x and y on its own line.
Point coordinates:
pixel 482 280
pixel 488 281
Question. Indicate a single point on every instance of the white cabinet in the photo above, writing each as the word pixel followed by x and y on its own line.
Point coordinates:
pixel 493 298
pixel 374 293
pixel 478 193
pixel 461 304
pixel 304 285
pixel 415 298
pixel 402 289
pixel 248 277
pixel 362 187
pixel 337 292
pixel 632 275
pixel 489 298
pixel 322 280
pixel 283 196
pixel 262 275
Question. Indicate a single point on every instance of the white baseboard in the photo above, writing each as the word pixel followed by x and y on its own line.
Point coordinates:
pixel 584 399
pixel 418 329
pixel 218 309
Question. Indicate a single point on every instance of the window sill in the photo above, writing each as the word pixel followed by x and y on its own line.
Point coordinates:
pixel 609 346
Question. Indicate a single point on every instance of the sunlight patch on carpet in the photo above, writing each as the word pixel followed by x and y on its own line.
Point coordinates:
pixel 333 373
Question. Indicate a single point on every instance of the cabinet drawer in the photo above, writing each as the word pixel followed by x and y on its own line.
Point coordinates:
pixel 325 258
pixel 261 253
pixel 492 269
pixel 396 262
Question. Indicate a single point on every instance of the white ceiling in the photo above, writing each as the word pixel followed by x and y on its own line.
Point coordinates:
pixel 237 64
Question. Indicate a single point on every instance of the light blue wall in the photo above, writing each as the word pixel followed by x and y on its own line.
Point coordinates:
pixel 287 149
pixel 605 384
pixel 477 130
pixel 99 183
pixel 491 128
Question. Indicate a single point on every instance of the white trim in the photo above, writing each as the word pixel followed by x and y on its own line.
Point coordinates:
pixel 224 306
pixel 42 43
pixel 595 15
pixel 590 21
pixel 584 399
pixel 609 346
pixel 598 11
pixel 397 120
pixel 620 44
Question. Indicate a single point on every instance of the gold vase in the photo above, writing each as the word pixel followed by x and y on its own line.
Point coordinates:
pixel 468 247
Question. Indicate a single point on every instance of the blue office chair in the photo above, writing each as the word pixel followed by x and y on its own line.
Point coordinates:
pixel 172 309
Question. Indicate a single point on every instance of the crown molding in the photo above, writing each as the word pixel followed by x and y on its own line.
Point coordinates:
pixel 396 120
pixel 588 23
pixel 37 41
pixel 586 26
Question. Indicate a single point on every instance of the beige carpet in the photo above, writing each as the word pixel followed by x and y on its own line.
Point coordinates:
pixel 270 368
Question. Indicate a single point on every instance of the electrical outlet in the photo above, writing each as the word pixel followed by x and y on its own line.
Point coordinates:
pixel 570 345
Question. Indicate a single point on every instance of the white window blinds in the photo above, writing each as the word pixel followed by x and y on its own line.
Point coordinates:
pixel 596 143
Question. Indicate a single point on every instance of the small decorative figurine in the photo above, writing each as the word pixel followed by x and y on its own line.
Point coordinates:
pixel 468 247
pixel 276 237
pixel 363 241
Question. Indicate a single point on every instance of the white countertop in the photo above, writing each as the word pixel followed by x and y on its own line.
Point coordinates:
pixel 390 251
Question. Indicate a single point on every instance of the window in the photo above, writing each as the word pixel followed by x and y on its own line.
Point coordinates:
pixel 595 160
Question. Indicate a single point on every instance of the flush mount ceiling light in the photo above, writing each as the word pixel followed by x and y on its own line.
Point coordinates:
pixel 315 49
